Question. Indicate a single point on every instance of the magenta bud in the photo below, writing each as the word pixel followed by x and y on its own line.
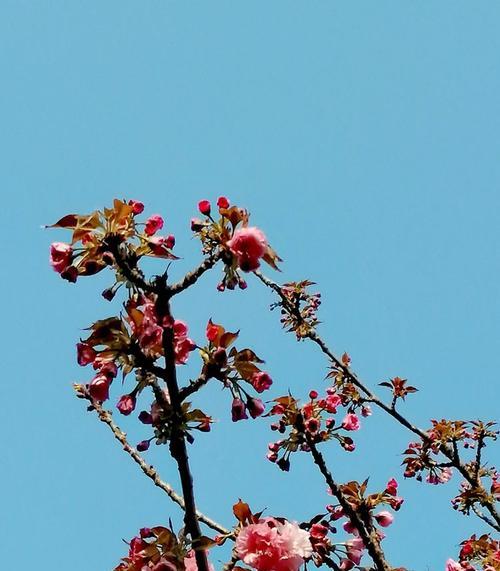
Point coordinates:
pixel 238 410
pixel 143 445
pixel 145 417
pixel 255 407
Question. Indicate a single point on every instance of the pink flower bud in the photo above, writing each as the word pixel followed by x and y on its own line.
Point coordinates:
pixel 99 388
pixel 137 207
pixel 238 410
pixel 153 224
pixel 204 207
pixel 126 404
pixel 85 354
pixel 366 410
pixel 143 445
pixel 255 407
pixel 222 202
pixel 392 487
pixel 384 518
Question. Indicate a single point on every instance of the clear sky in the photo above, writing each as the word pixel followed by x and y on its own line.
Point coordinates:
pixel 364 137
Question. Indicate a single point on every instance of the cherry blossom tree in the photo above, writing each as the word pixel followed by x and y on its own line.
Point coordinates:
pixel 148 344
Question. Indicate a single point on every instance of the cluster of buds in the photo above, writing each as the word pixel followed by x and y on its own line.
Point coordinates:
pixel 128 343
pixel 298 308
pixel 312 422
pixel 470 495
pixel 348 553
pixel 477 553
pixel 157 549
pixel 235 369
pixel 97 237
pixel 424 457
pixel 342 381
pixel 162 417
pixel 240 246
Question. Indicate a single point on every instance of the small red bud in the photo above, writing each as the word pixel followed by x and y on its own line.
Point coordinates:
pixel 204 207
pixel 223 202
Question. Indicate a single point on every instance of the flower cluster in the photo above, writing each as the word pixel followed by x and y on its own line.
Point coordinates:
pixel 240 246
pixel 147 327
pixel 97 236
pixel 349 552
pixel 161 417
pixel 298 307
pixel 270 544
pixel 470 495
pixel 235 369
pixel 477 553
pixel 424 457
pixel 157 549
pixel 312 422
pixel 127 343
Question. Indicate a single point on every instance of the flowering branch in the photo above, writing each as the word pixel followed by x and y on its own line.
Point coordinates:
pixel 365 528
pixel 150 471
pixel 451 452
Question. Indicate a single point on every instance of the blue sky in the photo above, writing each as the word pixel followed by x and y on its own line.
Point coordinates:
pixel 364 138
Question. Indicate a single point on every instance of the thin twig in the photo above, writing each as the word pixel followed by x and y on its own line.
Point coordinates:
pixel 106 417
pixel 192 277
pixel 193 386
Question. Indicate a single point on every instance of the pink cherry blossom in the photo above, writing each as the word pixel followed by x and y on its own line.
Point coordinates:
pixel 60 256
pixel 248 245
pixel 351 422
pixel 270 545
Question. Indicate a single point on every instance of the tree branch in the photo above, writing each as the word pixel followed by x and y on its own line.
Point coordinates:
pixel 192 277
pixel 178 448
pixel 193 386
